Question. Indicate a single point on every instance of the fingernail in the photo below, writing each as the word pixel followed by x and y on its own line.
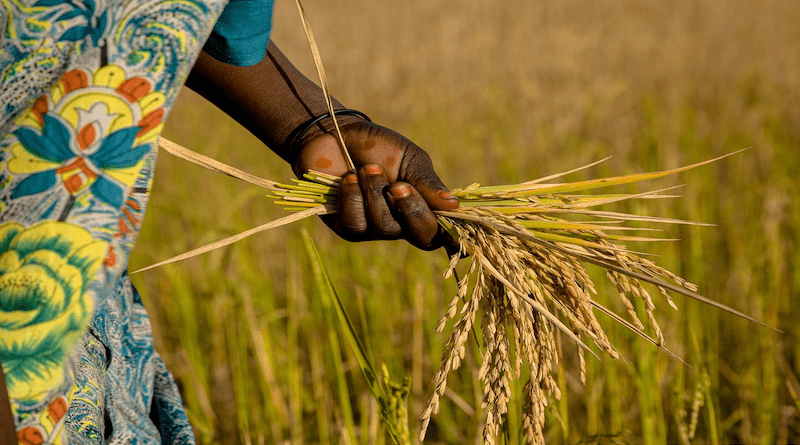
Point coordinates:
pixel 400 191
pixel 350 179
pixel 373 169
pixel 444 194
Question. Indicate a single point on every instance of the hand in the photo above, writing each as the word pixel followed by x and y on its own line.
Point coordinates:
pixel 391 195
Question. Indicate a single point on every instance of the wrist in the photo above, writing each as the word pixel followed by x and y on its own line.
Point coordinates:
pixel 319 125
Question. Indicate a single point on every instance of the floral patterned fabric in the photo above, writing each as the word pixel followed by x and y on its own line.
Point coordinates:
pixel 86 87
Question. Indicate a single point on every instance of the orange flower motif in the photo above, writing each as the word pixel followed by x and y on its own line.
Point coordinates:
pixel 57 409
pixel 30 435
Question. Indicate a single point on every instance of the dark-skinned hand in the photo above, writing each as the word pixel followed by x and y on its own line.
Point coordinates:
pixel 391 195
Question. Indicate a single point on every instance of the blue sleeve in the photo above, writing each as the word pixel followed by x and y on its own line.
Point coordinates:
pixel 241 34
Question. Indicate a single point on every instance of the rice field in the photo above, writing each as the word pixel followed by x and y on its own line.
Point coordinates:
pixel 502 93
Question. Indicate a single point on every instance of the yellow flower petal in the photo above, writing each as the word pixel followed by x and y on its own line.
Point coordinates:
pixel 51 235
pixel 28 119
pixel 109 75
pixel 9 230
pixel 38 384
pixel 69 278
pixel 151 102
pixel 72 321
pixel 24 161
pixel 56 92
pixel 15 319
pixel 89 257
pixel 9 261
pixel 128 175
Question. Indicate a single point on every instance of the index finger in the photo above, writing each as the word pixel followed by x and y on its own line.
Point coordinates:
pixel 420 226
pixel 417 170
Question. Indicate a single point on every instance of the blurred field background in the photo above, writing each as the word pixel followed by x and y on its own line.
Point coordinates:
pixel 502 92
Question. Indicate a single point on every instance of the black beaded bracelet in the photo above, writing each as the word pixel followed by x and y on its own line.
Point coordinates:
pixel 308 125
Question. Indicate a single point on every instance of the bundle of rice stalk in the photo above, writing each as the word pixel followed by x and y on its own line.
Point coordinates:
pixel 526 246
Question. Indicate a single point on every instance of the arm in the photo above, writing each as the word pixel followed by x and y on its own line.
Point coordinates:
pixel 394 190
pixel 270 99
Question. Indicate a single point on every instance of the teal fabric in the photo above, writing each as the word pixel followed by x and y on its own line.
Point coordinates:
pixel 241 34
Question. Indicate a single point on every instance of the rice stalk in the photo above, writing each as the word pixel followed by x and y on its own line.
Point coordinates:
pixel 529 278
pixel 392 407
pixel 526 245
pixel 323 80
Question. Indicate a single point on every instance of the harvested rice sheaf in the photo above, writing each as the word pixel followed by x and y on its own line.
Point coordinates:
pixel 526 246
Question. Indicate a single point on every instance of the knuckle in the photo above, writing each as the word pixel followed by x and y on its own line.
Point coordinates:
pixel 353 225
pixel 388 227
pixel 375 188
pixel 415 209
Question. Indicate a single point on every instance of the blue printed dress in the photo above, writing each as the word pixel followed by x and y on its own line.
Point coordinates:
pixel 86 88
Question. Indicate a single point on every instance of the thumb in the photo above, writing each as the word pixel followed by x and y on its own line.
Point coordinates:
pixel 417 170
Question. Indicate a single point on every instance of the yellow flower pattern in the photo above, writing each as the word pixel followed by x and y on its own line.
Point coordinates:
pixel 45 271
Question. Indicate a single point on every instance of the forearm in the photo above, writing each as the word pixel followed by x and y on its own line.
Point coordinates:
pixel 394 190
pixel 271 99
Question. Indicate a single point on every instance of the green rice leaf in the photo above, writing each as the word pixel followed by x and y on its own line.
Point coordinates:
pixel 331 301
